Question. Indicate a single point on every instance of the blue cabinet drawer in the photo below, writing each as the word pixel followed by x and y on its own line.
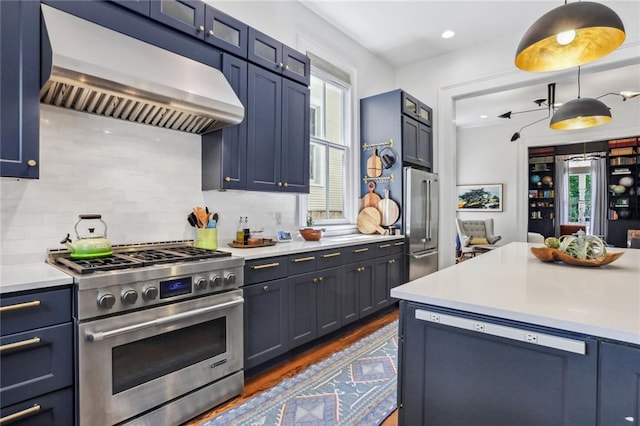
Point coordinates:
pixel 261 270
pixel 359 253
pixel 28 311
pixel 330 258
pixel 386 248
pixel 52 409
pixel 35 362
pixel 303 263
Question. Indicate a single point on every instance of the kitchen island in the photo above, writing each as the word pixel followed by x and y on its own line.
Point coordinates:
pixel 506 339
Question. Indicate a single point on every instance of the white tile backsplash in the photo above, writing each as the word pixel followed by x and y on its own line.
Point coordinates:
pixel 143 180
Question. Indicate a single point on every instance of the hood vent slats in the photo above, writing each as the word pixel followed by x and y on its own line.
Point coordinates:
pixel 80 97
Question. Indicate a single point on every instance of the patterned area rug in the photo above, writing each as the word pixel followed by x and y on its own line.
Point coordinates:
pixel 356 386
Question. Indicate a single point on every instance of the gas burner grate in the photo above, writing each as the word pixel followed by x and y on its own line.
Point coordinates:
pixel 109 263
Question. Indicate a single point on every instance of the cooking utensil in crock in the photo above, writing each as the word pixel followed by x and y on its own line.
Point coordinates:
pixel 91 245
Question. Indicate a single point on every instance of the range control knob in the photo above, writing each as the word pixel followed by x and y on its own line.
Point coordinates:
pixel 201 283
pixel 230 279
pixel 129 297
pixel 106 300
pixel 215 280
pixel 150 293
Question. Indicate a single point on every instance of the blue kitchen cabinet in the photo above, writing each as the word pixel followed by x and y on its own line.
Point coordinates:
pixel 224 152
pixel 277 57
pixel 357 291
pixel 417 143
pixel 184 15
pixel 415 109
pixel 619 384
pixel 278 133
pixel 36 359
pixel 388 274
pixel 458 369
pixel 20 89
pixel 143 7
pixel 225 32
pixel 265 321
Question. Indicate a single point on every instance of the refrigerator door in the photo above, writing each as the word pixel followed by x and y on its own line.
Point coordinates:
pixel 420 210
pixel 422 263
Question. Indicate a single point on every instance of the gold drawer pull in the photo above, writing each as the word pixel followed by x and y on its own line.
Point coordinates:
pixel 265 266
pixel 304 259
pixel 20 306
pixel 384 246
pixel 360 269
pixel 401 243
pixel 331 255
pixel 361 250
pixel 20 344
pixel 392 261
pixel 19 414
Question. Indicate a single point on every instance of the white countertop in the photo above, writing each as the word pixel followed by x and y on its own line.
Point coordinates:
pixel 31 276
pixel 296 246
pixel 511 283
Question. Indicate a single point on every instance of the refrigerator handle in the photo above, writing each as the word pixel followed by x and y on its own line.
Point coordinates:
pixel 428 200
pixel 422 256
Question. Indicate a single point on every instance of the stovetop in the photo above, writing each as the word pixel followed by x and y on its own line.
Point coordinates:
pixel 135 256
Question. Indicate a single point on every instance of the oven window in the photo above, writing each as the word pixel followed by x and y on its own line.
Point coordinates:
pixel 143 360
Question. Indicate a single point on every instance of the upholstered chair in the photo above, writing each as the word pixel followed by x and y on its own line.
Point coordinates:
pixel 534 237
pixel 475 233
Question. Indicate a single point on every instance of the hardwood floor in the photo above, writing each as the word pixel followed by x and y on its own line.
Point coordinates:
pixel 269 378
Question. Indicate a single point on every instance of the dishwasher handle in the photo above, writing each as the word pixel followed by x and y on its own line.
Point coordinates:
pixel 101 335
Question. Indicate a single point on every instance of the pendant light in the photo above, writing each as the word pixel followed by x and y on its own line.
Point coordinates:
pixel 580 113
pixel 568 36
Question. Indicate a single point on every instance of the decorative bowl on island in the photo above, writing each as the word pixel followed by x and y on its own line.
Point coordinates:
pixel 547 254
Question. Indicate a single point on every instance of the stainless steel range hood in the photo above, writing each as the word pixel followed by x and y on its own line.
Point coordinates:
pixel 100 71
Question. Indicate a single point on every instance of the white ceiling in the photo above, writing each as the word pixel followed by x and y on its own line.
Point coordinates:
pixel 403 32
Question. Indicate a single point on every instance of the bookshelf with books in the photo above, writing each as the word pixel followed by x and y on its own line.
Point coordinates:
pixel 541 190
pixel 623 188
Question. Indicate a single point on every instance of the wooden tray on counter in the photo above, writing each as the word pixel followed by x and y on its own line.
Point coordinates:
pixel 547 254
pixel 265 243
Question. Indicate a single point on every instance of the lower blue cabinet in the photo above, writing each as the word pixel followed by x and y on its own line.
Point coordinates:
pixel 453 376
pixel 619 384
pixel 51 409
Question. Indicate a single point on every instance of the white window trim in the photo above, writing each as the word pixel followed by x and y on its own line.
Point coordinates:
pixel 352 187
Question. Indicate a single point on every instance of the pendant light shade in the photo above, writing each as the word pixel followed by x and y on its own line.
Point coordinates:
pixel 580 113
pixel 569 36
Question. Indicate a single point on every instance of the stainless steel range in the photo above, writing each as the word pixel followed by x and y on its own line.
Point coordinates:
pixel 159 332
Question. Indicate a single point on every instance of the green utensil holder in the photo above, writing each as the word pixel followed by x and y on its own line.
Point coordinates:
pixel 207 238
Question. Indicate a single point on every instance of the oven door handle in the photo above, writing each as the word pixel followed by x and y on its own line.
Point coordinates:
pixel 101 335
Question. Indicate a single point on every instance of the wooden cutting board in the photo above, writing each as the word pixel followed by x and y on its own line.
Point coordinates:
pixel 371 199
pixel 389 210
pixel 369 221
pixel 374 164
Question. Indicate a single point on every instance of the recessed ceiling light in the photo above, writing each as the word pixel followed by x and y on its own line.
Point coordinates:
pixel 483 116
pixel 448 34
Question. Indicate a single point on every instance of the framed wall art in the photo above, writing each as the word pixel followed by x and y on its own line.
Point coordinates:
pixel 480 198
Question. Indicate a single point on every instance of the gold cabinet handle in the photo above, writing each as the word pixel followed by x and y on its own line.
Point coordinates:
pixel 25 305
pixel 392 261
pixel 211 33
pixel 315 280
pixel 361 250
pixel 360 268
pixel 20 344
pixel 325 256
pixel 285 184
pixel 20 414
pixel 384 246
pixel 32 163
pixel 401 243
pixel 265 288
pixel 200 29
pixel 320 279
pixel 265 266
pixel 279 183
pixel 304 259
pixel 227 179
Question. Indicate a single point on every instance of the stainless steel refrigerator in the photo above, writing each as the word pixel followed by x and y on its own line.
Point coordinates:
pixel 420 219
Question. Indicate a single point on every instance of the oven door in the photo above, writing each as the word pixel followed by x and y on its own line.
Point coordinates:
pixel 131 363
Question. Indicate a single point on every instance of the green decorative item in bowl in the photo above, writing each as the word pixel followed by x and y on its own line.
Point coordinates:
pixel 583 250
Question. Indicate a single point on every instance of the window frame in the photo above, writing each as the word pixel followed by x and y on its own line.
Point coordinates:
pixel 351 147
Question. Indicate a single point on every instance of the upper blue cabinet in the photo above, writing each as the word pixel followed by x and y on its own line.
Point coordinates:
pixel 203 21
pixel 20 88
pixel 277 57
pixel 416 109
pixel 139 6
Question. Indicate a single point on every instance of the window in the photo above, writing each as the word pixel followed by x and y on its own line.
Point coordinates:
pixel 330 152
pixel 579 206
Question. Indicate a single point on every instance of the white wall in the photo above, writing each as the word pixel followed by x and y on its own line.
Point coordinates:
pixel 143 180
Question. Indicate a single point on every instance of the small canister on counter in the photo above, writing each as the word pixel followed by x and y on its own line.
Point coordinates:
pixel 207 238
